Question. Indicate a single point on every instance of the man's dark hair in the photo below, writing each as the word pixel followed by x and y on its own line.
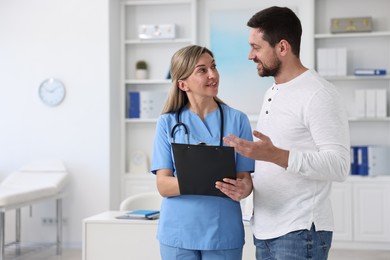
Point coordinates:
pixel 278 23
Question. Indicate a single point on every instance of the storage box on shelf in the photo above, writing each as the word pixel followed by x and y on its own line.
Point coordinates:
pixel 152 30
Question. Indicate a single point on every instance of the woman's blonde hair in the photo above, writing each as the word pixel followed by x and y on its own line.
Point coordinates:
pixel 183 63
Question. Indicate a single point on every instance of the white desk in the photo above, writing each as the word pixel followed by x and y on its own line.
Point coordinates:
pixel 105 237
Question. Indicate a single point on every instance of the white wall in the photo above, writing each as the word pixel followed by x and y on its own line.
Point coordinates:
pixel 235 49
pixel 69 40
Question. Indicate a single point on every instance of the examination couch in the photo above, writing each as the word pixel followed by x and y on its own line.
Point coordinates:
pixel 36 182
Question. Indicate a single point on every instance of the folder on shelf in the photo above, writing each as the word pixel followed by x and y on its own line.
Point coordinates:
pixel 134 111
pixel 370 72
pixel 322 61
pixel 370 103
pixel 370 160
pixel 332 62
pixel 360 102
pixel 146 104
pixel 362 160
pixel 341 62
pixel 354 164
pixel 381 103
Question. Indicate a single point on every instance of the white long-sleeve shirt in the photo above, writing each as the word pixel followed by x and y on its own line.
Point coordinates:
pixel 305 116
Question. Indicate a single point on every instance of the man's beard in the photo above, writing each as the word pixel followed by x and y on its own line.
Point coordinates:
pixel 271 71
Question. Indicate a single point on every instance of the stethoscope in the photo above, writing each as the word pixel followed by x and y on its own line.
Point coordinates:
pixel 178 124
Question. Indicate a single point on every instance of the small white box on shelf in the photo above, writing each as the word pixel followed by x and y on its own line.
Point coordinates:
pixel 360 102
pixel 151 103
pixel 381 103
pixel 332 61
pixel 157 31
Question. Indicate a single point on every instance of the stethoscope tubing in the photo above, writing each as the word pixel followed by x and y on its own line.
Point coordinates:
pixel 178 124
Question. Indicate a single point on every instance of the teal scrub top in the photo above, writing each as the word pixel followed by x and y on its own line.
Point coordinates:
pixel 199 222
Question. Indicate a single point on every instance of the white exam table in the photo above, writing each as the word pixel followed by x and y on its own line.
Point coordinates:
pixel 36 182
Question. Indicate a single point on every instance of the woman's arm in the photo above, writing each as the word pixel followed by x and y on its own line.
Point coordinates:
pixel 167 184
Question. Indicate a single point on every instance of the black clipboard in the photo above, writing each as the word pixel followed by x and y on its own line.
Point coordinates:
pixel 198 167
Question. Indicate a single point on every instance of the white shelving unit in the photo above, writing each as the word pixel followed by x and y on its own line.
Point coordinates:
pixel 364 50
pixel 361 204
pixel 137 134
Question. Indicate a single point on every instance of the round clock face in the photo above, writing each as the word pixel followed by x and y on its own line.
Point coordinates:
pixel 52 92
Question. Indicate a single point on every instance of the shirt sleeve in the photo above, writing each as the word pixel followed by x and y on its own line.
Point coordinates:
pixel 162 155
pixel 327 120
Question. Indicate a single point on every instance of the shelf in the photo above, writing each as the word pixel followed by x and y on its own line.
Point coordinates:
pixel 351 35
pixel 141 120
pixel 374 119
pixel 353 77
pixel 159 41
pixel 358 178
pixel 136 3
pixel 252 119
pixel 148 81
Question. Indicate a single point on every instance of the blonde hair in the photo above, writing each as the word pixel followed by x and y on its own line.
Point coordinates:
pixel 183 63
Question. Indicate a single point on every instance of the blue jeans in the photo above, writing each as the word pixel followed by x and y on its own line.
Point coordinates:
pixel 297 245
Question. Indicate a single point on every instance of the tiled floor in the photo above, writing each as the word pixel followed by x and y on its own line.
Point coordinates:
pixel 338 254
pixel 49 253
pixel 41 252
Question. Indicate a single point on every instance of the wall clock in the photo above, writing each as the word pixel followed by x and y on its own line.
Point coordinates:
pixel 52 92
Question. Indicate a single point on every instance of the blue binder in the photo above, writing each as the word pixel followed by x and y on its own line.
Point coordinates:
pixel 134 105
pixel 362 162
pixel 354 160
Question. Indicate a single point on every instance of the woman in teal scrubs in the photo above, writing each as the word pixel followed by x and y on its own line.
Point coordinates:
pixel 199 226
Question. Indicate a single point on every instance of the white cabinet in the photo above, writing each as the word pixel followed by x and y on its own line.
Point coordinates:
pixel 371 211
pixel 106 237
pixel 364 50
pixel 137 134
pixel 341 198
pixel 361 205
pixel 361 208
